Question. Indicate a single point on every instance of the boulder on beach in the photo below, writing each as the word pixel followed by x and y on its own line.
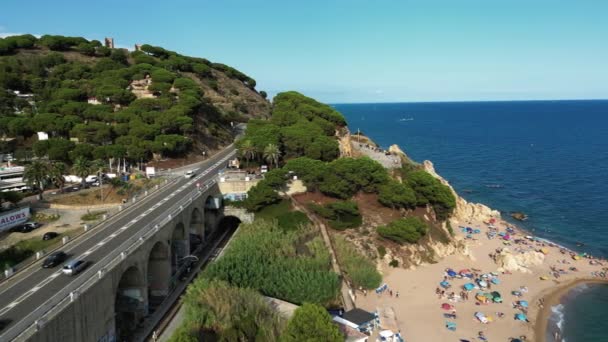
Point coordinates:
pixel 508 261
pixel 519 216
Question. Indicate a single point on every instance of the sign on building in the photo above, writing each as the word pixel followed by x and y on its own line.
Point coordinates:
pixel 13 218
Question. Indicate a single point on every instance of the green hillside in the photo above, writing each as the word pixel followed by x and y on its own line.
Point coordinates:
pixel 96 102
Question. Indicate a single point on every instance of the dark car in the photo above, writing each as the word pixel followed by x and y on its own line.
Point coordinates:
pixel 4 323
pixel 54 259
pixel 49 236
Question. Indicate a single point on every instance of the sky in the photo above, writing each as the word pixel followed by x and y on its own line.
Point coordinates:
pixel 349 51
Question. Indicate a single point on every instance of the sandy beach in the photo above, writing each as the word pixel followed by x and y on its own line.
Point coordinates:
pixel 539 271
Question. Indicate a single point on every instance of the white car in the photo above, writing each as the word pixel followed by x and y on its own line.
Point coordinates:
pixel 74 267
pixel 189 174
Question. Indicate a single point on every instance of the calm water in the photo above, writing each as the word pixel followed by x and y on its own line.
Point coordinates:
pixel 548 159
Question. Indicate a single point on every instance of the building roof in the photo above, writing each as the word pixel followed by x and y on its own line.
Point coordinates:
pixel 358 316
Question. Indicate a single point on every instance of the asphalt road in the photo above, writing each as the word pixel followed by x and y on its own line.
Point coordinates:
pixel 28 289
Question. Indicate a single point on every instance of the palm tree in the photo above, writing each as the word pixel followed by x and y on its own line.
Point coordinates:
pixel 36 175
pixel 81 168
pixel 98 166
pixel 56 172
pixel 248 150
pixel 272 154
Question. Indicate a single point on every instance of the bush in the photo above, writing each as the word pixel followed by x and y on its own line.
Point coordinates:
pixel 409 229
pixel 264 257
pixel 227 312
pixel 311 322
pixel 287 219
pixel 360 270
pixel 347 176
pixel 259 196
pixel 394 263
pixel 396 195
pixel 381 251
pixel 340 215
pixel 430 190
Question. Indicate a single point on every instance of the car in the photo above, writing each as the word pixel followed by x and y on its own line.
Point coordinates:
pixel 4 323
pixel 49 236
pixel 74 267
pixel 189 174
pixel 54 259
pixel 33 225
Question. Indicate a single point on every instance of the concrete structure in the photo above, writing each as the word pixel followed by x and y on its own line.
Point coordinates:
pixel 109 42
pixel 234 184
pixel 136 262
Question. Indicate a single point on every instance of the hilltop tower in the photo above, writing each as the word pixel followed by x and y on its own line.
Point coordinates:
pixel 109 42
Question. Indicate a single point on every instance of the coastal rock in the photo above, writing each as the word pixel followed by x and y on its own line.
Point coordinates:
pixel 508 261
pixel 464 211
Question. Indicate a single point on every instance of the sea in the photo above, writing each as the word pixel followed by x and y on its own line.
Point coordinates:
pixel 547 159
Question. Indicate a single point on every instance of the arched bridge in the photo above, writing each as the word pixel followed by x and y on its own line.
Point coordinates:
pixel 135 262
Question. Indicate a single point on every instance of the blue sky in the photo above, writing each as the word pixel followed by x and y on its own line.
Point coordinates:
pixel 361 51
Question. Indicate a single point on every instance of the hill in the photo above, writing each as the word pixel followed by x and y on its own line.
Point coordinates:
pixel 98 102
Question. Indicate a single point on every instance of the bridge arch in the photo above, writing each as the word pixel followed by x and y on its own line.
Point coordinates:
pixel 196 229
pixel 159 274
pixel 179 246
pixel 213 206
pixel 130 303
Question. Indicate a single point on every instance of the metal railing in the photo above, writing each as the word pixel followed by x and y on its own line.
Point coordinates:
pixel 36 320
pixel 136 199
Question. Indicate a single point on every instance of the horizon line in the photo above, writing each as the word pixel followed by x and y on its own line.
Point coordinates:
pixel 467 101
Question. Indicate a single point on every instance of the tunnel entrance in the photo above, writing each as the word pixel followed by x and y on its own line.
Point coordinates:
pixel 159 275
pixel 130 305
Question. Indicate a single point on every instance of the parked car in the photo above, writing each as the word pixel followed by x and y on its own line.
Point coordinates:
pixel 49 236
pixel 26 227
pixel 74 267
pixel 54 259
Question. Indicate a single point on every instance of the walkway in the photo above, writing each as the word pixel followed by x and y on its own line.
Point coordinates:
pixel 389 161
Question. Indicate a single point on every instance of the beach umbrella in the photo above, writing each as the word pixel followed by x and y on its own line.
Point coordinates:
pixel 450 326
pixel 464 271
pixel 451 273
pixel 446 306
pixel 386 333
pixel 476 231
pixel 523 303
pixel 482 283
pixel 516 340
pixel 495 281
pixel 468 286
pixel 520 317
pixel 444 284
pixel 516 293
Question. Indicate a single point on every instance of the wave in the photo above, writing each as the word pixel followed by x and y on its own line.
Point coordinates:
pixel 556 323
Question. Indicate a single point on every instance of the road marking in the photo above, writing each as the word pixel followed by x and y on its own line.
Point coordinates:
pixel 113 235
pixel 87 252
pixel 124 228
pixel 12 305
pixel 100 243
pixel 36 288
pixel 54 275
pixel 134 220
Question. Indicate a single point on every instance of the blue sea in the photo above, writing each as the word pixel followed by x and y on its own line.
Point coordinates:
pixel 548 159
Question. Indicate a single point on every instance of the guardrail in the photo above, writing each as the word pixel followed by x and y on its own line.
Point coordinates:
pixel 34 321
pixel 15 269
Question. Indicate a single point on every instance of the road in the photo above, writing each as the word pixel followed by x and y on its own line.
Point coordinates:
pixel 28 289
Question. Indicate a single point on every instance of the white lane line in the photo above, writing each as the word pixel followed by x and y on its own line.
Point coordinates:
pixel 133 221
pixel 124 228
pixel 87 253
pixel 54 275
pixel 35 289
pixel 100 243
pixel 114 235
pixel 12 305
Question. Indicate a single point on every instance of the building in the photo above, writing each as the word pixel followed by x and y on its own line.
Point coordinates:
pixel 137 47
pixel 357 319
pixel 234 184
pixel 42 136
pixel 11 179
pixel 109 42
pixel 93 100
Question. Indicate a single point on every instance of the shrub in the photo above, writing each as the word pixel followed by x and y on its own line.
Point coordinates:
pixel 340 215
pixel 409 229
pixel 381 251
pixel 360 270
pixel 264 257
pixel 346 176
pixel 311 322
pixel 394 263
pixel 396 195
pixel 430 190
pixel 260 196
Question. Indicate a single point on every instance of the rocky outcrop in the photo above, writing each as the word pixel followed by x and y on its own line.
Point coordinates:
pixel 508 261
pixel 464 211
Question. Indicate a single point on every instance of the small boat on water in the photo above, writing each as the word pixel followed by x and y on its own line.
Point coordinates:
pixel 406 119
pixel 494 186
